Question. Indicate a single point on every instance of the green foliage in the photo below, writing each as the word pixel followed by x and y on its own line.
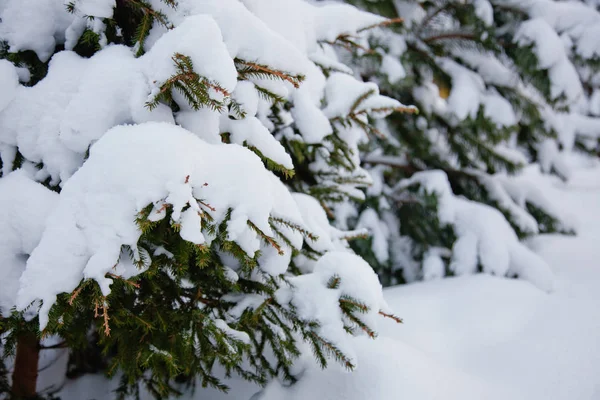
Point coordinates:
pixel 88 44
pixel 195 88
pixel 27 59
pixel 449 30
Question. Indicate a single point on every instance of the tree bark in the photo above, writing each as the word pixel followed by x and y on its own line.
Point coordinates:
pixel 24 378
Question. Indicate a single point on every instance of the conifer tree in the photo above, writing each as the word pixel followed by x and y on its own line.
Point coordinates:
pixel 168 168
pixel 502 87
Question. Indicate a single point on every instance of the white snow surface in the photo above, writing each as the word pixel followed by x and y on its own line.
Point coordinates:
pixel 472 337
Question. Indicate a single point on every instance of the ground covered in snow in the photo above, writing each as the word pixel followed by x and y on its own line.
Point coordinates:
pixel 473 337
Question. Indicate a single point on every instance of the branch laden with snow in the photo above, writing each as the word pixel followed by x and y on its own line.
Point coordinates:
pixel 196 147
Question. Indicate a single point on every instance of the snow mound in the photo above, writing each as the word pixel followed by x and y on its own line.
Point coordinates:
pixel 388 369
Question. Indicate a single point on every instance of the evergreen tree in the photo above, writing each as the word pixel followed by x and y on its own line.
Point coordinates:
pixel 167 169
pixel 500 85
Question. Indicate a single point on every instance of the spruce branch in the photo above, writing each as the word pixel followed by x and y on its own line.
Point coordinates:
pixel 75 294
pixel 268 95
pixel 387 22
pixel 146 8
pixel 127 281
pixel 348 307
pixel 295 227
pixel 191 85
pixel 105 317
pixel 450 35
pixel 266 238
pixel 237 109
pixel 211 208
pixel 361 99
pixel 320 343
pixel 142 32
pixel 356 234
pixel 334 282
pixel 356 305
pixel 247 69
pixel 345 41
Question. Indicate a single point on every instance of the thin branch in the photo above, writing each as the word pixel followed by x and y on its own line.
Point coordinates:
pixel 74 295
pixel 106 318
pixel 450 35
pixel 262 68
pixel 385 23
pixel 391 316
pixel 127 281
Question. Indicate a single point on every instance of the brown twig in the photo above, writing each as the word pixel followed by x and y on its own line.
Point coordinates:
pixel 211 208
pixel 449 35
pixel 131 283
pixel 387 22
pixel 391 316
pixel 106 318
pixel 268 70
pixel 75 294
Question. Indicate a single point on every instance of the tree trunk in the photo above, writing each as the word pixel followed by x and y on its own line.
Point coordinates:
pixel 25 374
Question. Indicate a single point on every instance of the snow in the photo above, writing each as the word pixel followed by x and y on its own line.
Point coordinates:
pixel 305 24
pixel 514 201
pixel 237 335
pixel 464 99
pixel 484 11
pixel 310 121
pixel 342 92
pixel 483 230
pixel 378 231
pixel 389 369
pixel 595 103
pixel 39 31
pixel 9 82
pixel 491 69
pixel 579 22
pixel 24 208
pixel 433 265
pixel 393 69
pixel 97 8
pixel 199 38
pixel 315 301
pixel 231 16
pixel 251 131
pixel 498 109
pixel 164 163
pixel 55 122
